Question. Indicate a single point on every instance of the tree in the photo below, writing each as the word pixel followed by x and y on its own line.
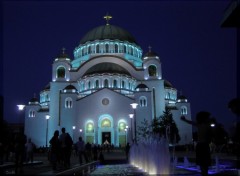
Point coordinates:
pixel 164 126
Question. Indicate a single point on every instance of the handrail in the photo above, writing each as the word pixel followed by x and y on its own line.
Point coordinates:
pixel 83 169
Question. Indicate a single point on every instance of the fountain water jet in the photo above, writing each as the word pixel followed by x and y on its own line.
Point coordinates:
pixel 152 156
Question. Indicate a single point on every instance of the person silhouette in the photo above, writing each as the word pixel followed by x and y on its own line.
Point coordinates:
pixel 203 155
pixel 234 107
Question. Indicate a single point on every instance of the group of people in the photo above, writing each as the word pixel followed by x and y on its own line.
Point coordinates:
pixel 21 149
pixel 60 149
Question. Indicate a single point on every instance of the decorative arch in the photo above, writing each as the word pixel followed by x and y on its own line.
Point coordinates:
pixel 61 72
pixel 152 70
pixel 68 102
pixel 105 117
pixel 122 126
pixel 143 101
pixel 31 113
pixel 89 127
pixel 183 110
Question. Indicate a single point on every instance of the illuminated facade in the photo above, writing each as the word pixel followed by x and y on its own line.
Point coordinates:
pixel 91 94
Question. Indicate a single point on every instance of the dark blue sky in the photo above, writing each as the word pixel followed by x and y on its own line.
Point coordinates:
pixel 198 56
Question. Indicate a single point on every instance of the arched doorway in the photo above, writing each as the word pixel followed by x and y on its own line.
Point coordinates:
pixel 105 129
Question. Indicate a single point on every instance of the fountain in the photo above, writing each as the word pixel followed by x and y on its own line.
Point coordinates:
pixel 151 155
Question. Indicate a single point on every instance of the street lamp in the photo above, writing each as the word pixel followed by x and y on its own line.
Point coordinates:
pixel 126 135
pixel 73 127
pixel 134 106
pixel 131 117
pixel 20 108
pixel 47 118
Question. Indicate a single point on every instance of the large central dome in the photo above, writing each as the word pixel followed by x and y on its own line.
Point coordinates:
pixel 108 32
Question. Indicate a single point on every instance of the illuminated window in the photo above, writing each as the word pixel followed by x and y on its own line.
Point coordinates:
pixel 82 86
pixel 143 101
pixel 97 48
pixel 82 52
pixel 31 113
pixel 114 83
pixel 107 48
pixel 116 48
pixel 121 126
pixel 97 84
pixel 61 72
pixel 123 84
pixel 89 50
pixel 152 70
pixel 89 127
pixel 89 85
pixel 68 103
pixel 183 110
pixel 105 83
pixel 124 49
pixel 106 123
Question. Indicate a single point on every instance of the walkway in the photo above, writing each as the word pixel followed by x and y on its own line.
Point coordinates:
pixel 115 164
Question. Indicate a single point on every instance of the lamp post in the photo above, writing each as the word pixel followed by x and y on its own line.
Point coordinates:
pixel 80 130
pixel 126 135
pixel 73 127
pixel 134 106
pixel 20 108
pixel 131 117
pixel 47 118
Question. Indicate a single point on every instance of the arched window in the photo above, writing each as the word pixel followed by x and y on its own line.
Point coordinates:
pixel 123 84
pixel 129 85
pixel 107 48
pixel 131 51
pixel 89 85
pixel 31 113
pixel 82 86
pixel 105 83
pixel 106 123
pixel 152 70
pixel 97 84
pixel 97 48
pixel 183 110
pixel 89 127
pixel 143 101
pixel 68 103
pixel 61 72
pixel 116 48
pixel 89 50
pixel 82 52
pixel 124 49
pixel 121 126
pixel 114 83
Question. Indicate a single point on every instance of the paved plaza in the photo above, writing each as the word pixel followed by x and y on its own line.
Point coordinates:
pixel 116 164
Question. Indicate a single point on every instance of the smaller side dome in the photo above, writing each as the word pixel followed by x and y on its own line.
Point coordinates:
pixel 167 84
pixel 182 98
pixel 150 54
pixel 63 55
pixel 70 88
pixel 141 87
pixel 33 101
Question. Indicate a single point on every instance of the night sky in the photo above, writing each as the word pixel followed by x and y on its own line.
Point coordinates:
pixel 198 56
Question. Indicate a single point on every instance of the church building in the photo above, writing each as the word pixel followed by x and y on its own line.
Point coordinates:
pixel 105 92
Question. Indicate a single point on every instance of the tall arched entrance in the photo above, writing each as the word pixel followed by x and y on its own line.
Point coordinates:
pixel 105 129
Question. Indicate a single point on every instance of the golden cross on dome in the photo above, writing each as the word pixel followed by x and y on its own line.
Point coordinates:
pixel 107 17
